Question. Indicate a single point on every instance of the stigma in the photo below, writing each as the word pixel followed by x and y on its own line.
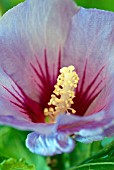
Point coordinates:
pixel 63 94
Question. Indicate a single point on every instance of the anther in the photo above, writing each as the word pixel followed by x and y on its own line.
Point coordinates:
pixel 63 94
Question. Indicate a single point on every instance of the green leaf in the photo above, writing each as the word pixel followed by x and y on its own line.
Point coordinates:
pixel 12 145
pixel 13 164
pixel 104 155
pixel 95 166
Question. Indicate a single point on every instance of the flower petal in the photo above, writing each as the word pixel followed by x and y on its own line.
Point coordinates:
pixel 10 114
pixel 6 107
pixel 27 125
pixel 90 47
pixel 109 113
pixel 13 101
pixel 91 127
pixel 29 28
pixel 56 143
pixel 109 131
pixel 73 124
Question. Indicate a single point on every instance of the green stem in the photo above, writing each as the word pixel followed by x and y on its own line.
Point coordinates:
pixel 56 162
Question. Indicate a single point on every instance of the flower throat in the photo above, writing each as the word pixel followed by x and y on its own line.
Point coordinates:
pixel 62 97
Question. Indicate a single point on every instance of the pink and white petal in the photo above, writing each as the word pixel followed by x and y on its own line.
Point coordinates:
pixel 10 115
pixel 6 108
pixel 29 28
pixel 90 47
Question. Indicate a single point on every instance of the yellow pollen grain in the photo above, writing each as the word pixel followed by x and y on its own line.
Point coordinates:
pixel 63 94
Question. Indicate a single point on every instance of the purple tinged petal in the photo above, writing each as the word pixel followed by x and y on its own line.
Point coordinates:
pixel 89 128
pixel 21 124
pixel 56 143
pixel 71 124
pixel 5 106
pixel 91 41
pixel 29 28
pixel 109 131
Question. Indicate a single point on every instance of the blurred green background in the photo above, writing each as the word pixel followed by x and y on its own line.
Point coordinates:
pixel 100 4
pixel 7 4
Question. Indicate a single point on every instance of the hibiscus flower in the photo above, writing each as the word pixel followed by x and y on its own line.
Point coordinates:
pixel 57 74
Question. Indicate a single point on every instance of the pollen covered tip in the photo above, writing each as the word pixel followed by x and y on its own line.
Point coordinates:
pixel 64 92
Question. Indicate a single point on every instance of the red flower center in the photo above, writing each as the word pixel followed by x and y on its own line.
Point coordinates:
pixel 45 83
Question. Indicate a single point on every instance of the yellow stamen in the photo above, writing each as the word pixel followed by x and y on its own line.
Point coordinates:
pixel 62 97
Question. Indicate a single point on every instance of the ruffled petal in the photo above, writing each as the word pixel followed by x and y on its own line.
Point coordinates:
pixel 29 28
pixel 56 143
pixel 90 47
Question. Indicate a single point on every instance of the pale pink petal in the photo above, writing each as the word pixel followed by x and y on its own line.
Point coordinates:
pixel 90 127
pixel 6 108
pixel 90 48
pixel 29 28
pixel 14 101
pixel 11 115
pixel 74 124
